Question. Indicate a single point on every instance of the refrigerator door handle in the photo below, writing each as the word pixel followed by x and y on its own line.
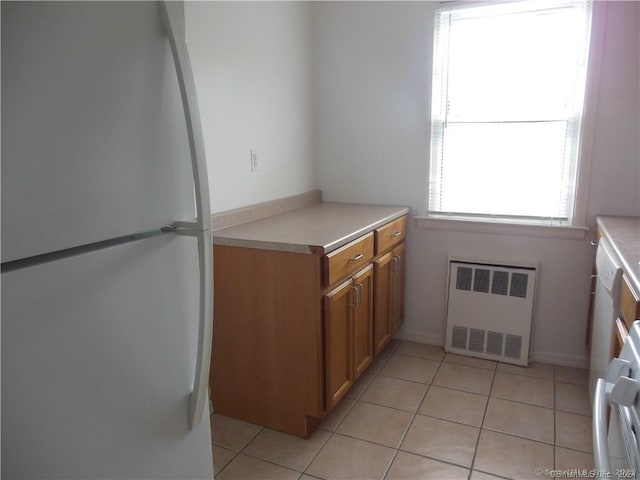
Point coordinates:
pixel 172 16
pixel 173 22
pixel 198 397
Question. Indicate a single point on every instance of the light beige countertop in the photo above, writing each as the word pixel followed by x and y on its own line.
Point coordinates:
pixel 322 227
pixel 624 235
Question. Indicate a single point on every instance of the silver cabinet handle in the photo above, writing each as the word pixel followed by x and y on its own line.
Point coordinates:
pixel 357 257
pixel 357 299
pixel 396 234
pixel 355 296
pixel 395 266
pixel 594 243
pixel 173 23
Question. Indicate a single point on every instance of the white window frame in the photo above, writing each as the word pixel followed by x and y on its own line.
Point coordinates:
pixel 578 227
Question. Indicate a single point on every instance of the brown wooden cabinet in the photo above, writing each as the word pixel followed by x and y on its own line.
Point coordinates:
pixel 382 317
pixel 389 268
pixel 293 331
pixel 362 338
pixel 338 305
pixel 629 313
pixel 348 333
pixel 629 303
pixel 397 287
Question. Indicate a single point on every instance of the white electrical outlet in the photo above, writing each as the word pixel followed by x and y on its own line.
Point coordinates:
pixel 254 160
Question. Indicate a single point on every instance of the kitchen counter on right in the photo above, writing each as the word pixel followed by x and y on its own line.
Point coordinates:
pixel 624 236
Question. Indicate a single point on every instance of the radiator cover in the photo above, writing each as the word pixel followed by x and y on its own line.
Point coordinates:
pixel 489 310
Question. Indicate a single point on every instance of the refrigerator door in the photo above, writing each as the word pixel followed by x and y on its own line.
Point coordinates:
pixel 98 361
pixel 94 138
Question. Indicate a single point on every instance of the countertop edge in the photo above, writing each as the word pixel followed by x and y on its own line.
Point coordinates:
pixel 312 248
pixel 631 270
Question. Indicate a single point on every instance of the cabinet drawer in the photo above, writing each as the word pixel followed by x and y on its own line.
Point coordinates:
pixel 629 303
pixel 346 260
pixel 390 234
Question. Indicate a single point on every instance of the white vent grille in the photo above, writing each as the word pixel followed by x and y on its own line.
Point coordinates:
pixel 489 311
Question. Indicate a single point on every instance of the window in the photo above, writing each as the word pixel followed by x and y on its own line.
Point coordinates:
pixel 507 102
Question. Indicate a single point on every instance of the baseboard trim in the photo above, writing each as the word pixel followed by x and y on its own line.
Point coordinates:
pixel 560 359
pixel 419 337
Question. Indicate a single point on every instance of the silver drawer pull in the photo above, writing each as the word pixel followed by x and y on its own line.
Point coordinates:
pixel 396 234
pixel 357 257
pixel 355 296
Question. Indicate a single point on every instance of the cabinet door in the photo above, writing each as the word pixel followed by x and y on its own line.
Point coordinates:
pixel 338 306
pixel 397 287
pixel 362 320
pixel 382 302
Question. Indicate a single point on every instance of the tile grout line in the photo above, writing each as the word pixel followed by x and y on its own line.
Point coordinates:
pixel 484 415
pixel 331 434
pixel 413 418
pixel 355 401
pixel 241 450
pixel 443 359
pixel 554 418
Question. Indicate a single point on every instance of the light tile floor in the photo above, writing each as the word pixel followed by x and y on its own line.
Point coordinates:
pixel 420 414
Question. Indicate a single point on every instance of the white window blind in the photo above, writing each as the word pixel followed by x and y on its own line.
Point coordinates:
pixel 507 101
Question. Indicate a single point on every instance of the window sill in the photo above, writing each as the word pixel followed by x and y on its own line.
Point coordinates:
pixel 500 228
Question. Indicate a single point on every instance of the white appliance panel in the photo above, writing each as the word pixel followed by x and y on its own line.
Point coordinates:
pixel 98 358
pixel 605 310
pixel 96 145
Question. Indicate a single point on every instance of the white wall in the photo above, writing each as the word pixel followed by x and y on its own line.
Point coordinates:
pixel 252 65
pixel 615 177
pixel 372 76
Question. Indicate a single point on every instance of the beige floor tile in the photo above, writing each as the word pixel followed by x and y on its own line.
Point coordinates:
pixel 360 386
pixel 521 419
pixel 454 405
pixel 379 362
pixel 431 352
pixel 287 450
pixel 573 431
pixel 336 416
pixel 468 379
pixel 476 475
pixel 231 433
pixel 344 457
pixel 244 467
pixel 392 346
pixel 573 398
pixel 407 466
pixel 535 391
pixel 376 423
pixel 395 393
pixel 441 440
pixel 576 376
pixel 537 370
pixel 221 456
pixel 512 457
pixel 410 368
pixel 570 459
pixel 470 361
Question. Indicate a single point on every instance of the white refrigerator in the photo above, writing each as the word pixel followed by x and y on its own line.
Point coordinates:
pixel 106 247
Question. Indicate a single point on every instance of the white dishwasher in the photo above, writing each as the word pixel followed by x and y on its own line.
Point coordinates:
pixel 616 420
pixel 606 309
